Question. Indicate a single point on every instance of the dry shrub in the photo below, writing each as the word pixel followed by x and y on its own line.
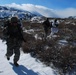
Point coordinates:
pixel 28 37
pixel 25 24
pixel 25 47
pixel 63 58
pixel 33 25
pixel 71 27
pixel 29 44
pixel 67 58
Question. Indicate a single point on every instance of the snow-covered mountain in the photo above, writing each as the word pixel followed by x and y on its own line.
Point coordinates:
pixel 6 12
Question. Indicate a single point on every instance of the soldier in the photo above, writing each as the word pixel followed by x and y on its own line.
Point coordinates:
pixel 14 39
pixel 47 25
pixel 54 29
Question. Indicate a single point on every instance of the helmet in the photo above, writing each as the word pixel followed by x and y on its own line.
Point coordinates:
pixel 14 19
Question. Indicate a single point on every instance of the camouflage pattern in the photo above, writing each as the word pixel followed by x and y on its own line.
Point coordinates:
pixel 13 46
pixel 14 38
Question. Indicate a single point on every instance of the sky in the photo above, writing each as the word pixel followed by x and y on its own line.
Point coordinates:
pixel 25 66
pixel 61 8
pixel 55 4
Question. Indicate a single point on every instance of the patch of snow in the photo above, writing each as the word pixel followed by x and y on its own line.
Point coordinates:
pixel 73 23
pixel 67 22
pixel 63 42
pixel 29 31
pixel 37 37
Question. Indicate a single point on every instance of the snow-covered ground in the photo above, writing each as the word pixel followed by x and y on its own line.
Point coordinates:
pixel 28 65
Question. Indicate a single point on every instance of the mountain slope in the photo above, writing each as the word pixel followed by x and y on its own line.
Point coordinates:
pixel 28 65
pixel 6 12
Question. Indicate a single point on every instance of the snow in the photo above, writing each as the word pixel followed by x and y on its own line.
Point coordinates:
pixel 29 31
pixel 28 65
pixel 63 42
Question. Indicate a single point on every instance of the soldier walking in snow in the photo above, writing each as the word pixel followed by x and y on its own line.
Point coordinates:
pixel 14 39
pixel 47 26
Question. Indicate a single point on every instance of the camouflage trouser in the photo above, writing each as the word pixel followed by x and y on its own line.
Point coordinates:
pixel 13 47
pixel 46 29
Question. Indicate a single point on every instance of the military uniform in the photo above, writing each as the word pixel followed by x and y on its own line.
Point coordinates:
pixel 13 46
pixel 14 40
pixel 47 26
